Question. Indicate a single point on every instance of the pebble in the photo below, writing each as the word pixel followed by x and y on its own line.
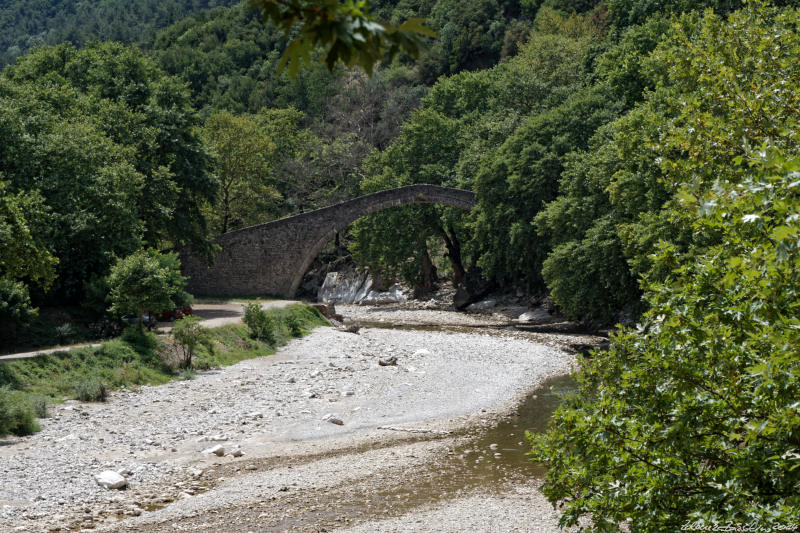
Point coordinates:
pixel 217 450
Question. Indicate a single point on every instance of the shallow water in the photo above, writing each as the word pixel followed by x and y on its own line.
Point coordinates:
pixel 489 459
pixel 466 468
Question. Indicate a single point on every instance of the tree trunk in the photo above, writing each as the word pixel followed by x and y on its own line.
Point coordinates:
pixel 427 272
pixel 454 254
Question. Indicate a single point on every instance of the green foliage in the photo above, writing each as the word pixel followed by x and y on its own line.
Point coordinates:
pixel 262 324
pixel 90 389
pixel 242 150
pixel 694 416
pixel 23 247
pixel 141 114
pixel 100 152
pixel 25 24
pixel 187 374
pixel 346 31
pixel 590 279
pixel 65 333
pixel 145 281
pixel 16 309
pixel 522 176
pixel 293 324
pixel 17 416
pixel 190 335
pixel 143 342
pixel 229 60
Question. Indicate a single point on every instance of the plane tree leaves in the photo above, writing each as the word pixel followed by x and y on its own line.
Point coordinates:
pixel 345 30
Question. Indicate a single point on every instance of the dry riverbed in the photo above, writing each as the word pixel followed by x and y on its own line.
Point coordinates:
pixel 385 467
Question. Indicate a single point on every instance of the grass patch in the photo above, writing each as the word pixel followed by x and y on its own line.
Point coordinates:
pixel 17 414
pixel 27 386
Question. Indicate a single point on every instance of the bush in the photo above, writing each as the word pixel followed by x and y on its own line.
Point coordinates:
pixel 144 342
pixel 39 404
pixel 293 324
pixel 146 279
pixel 90 389
pixel 17 416
pixel 16 309
pixel 262 325
pixel 66 332
pixel 190 334
pixel 187 374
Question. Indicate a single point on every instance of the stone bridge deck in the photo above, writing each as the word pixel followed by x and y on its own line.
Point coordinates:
pixel 272 258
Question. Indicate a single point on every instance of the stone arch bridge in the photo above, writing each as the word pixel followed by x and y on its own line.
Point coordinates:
pixel 272 258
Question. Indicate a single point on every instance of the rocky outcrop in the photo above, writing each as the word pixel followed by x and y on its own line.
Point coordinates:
pixel 356 286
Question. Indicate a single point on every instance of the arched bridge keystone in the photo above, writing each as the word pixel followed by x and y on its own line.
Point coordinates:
pixel 272 258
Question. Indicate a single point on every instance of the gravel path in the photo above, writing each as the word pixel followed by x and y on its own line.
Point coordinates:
pixel 278 410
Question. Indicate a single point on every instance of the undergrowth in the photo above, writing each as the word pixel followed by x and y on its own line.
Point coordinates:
pixel 27 386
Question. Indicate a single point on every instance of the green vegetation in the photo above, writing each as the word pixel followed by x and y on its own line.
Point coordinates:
pixel 137 358
pixel 262 325
pixel 189 334
pixel 146 280
pixel 17 413
pixel 692 417
pixel 346 31
pixel 25 24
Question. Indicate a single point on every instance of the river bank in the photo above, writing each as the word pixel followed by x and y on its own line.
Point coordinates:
pixel 299 470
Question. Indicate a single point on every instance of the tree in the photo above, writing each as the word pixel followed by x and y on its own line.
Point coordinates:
pixel 54 149
pixel 425 152
pixel 24 256
pixel 147 115
pixel 23 245
pixel 242 151
pixel 692 418
pixel 190 334
pixel 146 281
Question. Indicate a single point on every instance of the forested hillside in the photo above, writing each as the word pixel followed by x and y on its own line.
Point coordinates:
pixel 25 24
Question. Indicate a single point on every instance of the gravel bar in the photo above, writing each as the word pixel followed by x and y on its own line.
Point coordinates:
pixel 308 419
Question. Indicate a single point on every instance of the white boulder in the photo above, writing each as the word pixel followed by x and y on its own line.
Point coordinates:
pixel 111 480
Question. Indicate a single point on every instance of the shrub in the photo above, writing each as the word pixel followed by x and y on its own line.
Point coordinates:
pixel 146 280
pixel 17 416
pixel 293 324
pixel 39 404
pixel 190 334
pixel 90 389
pixel 143 342
pixel 261 324
pixel 187 374
pixel 65 333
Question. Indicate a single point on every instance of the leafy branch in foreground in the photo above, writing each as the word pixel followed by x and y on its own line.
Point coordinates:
pixel 346 31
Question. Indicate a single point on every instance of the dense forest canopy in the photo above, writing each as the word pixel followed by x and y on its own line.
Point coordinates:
pixel 25 24
pixel 547 109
